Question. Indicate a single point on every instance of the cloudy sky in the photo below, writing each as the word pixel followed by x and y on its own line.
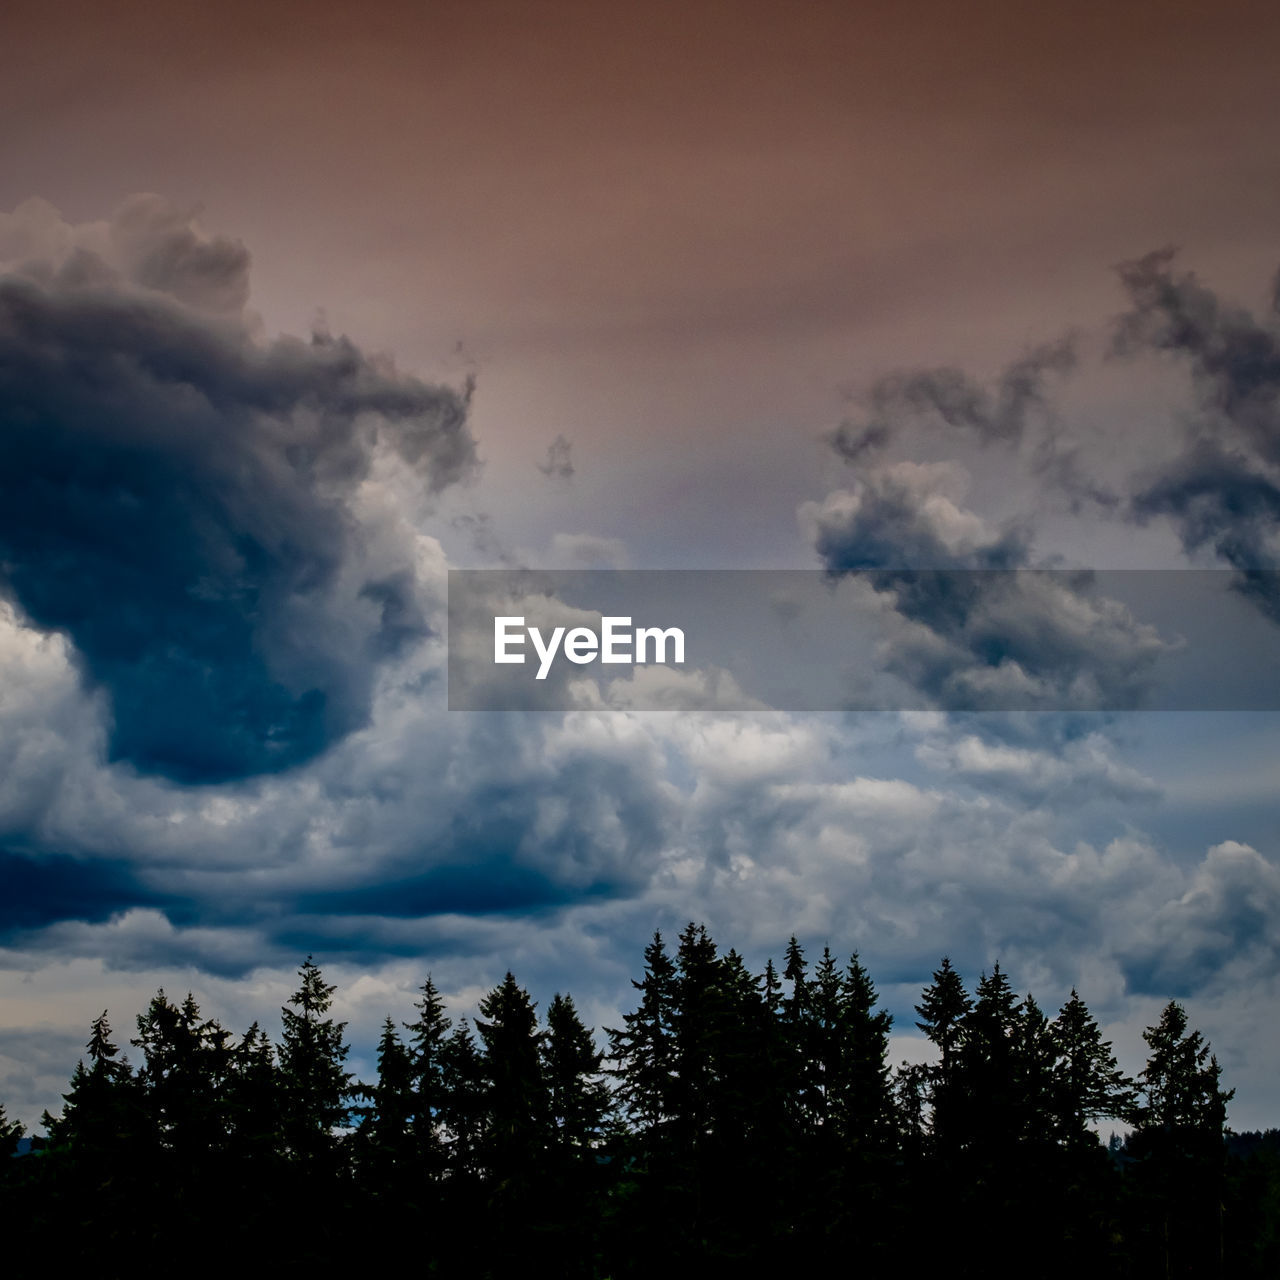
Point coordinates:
pixel 301 306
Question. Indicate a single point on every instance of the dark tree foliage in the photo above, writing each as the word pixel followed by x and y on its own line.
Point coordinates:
pixel 645 1046
pixel 517 1101
pixel 314 1080
pixel 866 1107
pixel 1088 1084
pixel 1179 1151
pixel 97 1154
pixel 579 1097
pixel 462 1104
pixel 748 1122
pixel 101 1109
pixel 943 1008
pixel 11 1131
pixel 186 1067
pixel 428 1036
pixel 516 1130
pixel 254 1100
pixel 316 1102
pixel 580 1112
pixel 383 1143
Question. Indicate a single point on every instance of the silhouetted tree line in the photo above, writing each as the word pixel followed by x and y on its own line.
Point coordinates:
pixel 738 1122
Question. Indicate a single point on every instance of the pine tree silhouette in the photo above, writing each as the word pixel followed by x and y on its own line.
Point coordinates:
pixel 313 1078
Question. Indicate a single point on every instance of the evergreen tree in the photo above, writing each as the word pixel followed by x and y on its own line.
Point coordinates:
pixel 911 1088
pixel 516 1136
pixel 866 1107
pixel 977 1116
pixel 460 1194
pixel 772 990
pixel 384 1140
pixel 989 1079
pixel 517 1105
pixel 461 1114
pixel 944 1008
pixel 253 1098
pixel 826 1048
pixel 580 1104
pixel 183 1097
pixel 428 1037
pixel 100 1173
pixel 774 1073
pixel 10 1133
pixel 745 1056
pixel 1179 1148
pixel 101 1109
pixel 580 1100
pixel 1181 1081
pixel 1085 1084
pixel 747 1139
pixel 1035 1118
pixel 774 1070
pixel 644 1048
pixel 696 1024
pixel 313 1078
pixel 1088 1082
pixel 859 1117
pixel 803 1086
pixel 185 1067
pixel 794 971
pixel 253 1188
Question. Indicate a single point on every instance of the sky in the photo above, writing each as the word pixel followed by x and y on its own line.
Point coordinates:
pixel 303 306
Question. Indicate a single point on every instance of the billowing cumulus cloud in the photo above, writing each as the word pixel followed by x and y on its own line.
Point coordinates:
pixel 190 503
pixel 975 629
pixel 1225 922
pixel 909 515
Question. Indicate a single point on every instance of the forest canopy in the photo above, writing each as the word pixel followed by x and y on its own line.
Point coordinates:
pixel 732 1117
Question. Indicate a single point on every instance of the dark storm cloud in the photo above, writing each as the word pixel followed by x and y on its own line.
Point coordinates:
pixel 526 841
pixel 1234 359
pixel 180 500
pixel 977 633
pixel 478 888
pixel 1217 500
pixel 904 518
pixel 1219 488
pixel 41 890
pixel 431 816
pixel 1222 493
pixel 999 414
